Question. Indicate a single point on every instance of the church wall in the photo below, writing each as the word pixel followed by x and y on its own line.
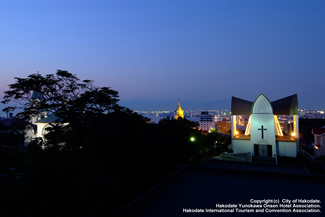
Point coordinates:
pixel 240 146
pixel 233 125
pixel 287 149
pixel 40 127
pixel 29 136
pixel 267 120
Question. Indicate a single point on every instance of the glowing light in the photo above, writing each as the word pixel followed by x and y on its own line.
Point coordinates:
pixel 236 132
pixel 192 139
pixel 179 111
pixel 293 134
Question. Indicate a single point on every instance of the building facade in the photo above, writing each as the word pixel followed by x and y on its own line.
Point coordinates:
pixel 319 141
pixel 206 122
pixel 224 126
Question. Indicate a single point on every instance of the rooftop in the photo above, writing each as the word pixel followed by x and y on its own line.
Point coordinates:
pixel 200 187
pixel 318 131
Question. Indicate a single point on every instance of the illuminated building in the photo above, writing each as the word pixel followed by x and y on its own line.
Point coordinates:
pixel 263 136
pixel 35 101
pixel 206 122
pixel 179 112
pixel 223 126
pixel 41 120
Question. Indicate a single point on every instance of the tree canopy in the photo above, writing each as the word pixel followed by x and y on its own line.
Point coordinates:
pixel 61 91
pixel 72 101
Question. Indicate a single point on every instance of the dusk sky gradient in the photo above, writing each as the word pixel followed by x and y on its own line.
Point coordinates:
pixel 203 50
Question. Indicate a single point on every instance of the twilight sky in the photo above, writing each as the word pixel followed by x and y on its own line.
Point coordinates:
pixel 202 50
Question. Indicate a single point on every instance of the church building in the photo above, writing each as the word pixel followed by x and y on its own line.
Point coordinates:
pixel 39 121
pixel 263 136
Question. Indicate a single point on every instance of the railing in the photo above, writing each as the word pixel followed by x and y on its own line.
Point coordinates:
pixel 307 155
pixel 229 157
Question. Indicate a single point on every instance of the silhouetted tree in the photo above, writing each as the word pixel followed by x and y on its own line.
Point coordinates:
pixel 12 135
pixel 176 137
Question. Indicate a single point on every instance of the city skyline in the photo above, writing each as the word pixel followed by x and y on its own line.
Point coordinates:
pixel 198 51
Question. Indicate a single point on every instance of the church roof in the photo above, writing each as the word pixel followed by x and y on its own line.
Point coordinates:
pixel 284 106
pixel 240 106
pixel 262 105
pixel 37 95
pixel 50 119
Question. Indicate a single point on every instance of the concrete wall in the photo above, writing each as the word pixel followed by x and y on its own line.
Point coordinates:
pixel 286 149
pixel 240 146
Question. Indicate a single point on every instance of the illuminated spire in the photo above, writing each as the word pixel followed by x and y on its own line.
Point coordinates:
pixel 179 112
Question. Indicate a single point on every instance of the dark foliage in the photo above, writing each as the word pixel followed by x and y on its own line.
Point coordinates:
pixel 12 134
pixel 98 156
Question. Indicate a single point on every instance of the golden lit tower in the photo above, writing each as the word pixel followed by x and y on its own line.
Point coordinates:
pixel 179 112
